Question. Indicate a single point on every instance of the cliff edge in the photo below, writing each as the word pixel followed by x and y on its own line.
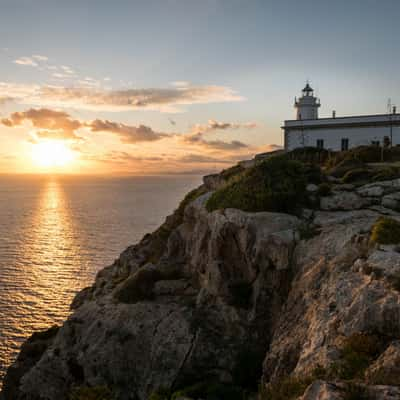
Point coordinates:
pixel 298 302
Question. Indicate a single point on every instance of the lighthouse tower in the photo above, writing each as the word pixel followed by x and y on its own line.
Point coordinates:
pixel 307 105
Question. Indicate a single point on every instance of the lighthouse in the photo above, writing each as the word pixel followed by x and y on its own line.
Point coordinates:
pixel 338 133
pixel 307 105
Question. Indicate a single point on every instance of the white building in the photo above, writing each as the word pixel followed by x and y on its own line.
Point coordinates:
pixel 337 133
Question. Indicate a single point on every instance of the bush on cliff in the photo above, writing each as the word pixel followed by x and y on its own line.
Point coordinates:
pixel 277 184
pixel 210 391
pixel 357 353
pixel 358 175
pixel 91 393
pixel 386 231
pixel 311 155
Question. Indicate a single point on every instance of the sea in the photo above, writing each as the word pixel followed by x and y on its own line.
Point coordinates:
pixel 56 232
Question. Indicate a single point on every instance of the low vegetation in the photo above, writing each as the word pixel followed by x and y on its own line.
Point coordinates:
pixel 287 388
pixel 356 355
pixel 210 391
pixel 358 175
pixel 386 230
pixel 276 184
pixel 355 391
pixel 324 189
pixel 91 393
pixel 358 352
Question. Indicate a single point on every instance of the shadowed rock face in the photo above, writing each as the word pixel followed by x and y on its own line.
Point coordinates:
pixel 199 312
pixel 231 296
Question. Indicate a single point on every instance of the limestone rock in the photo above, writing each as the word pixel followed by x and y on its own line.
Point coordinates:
pixel 320 390
pixel 342 201
pixel 386 369
pixel 392 201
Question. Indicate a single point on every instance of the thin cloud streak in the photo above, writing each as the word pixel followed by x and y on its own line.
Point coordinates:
pixel 91 96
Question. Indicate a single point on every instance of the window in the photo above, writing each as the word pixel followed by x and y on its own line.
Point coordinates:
pixel 320 143
pixel 345 144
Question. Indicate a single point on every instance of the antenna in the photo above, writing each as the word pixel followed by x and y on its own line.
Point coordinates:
pixel 389 106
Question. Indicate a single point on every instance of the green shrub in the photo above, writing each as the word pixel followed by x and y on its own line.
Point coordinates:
pixel 354 391
pixel 395 282
pixel 308 231
pixel 386 174
pixel 357 175
pixel 160 394
pixel 344 166
pixel 311 155
pixel 386 231
pixel 231 172
pixel 91 393
pixel 358 351
pixel 324 189
pixel 364 154
pixel 286 389
pixel 385 377
pixel 276 184
pixel 210 391
pixel 191 196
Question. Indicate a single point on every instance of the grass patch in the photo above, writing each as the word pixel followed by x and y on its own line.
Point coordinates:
pixel 287 388
pixel 386 231
pixel 191 196
pixel 354 391
pixel 324 189
pixel 160 394
pixel 308 231
pixel 231 172
pixel 358 351
pixel 276 184
pixel 386 174
pixel 384 377
pixel 91 393
pixel 358 175
pixel 210 391
pixel 311 155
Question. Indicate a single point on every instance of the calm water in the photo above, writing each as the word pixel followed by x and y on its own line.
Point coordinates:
pixel 57 232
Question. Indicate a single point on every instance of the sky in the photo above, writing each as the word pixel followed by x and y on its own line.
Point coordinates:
pixel 180 86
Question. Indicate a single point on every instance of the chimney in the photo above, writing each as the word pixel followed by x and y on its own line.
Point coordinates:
pixel 333 114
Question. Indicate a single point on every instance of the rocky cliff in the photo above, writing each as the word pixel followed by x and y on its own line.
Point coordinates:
pixel 233 304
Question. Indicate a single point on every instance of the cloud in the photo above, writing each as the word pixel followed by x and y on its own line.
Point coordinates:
pixel 90 95
pixel 40 57
pixel 32 61
pixel 51 124
pixel 28 61
pixel 5 99
pixel 67 70
pixel 200 158
pixel 161 99
pixel 197 137
pixel 122 157
pixel 127 133
pixel 214 125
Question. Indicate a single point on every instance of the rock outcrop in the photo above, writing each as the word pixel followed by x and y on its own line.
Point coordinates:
pixel 236 298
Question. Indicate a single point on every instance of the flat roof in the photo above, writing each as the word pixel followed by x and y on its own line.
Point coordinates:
pixel 347 121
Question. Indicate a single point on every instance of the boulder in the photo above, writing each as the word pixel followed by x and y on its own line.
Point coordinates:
pixel 392 201
pixel 343 201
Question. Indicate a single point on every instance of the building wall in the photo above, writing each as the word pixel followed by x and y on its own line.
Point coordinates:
pixel 332 137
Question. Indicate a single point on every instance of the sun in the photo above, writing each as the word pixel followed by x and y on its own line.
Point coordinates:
pixel 52 153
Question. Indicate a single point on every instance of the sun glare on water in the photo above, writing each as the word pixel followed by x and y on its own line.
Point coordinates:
pixel 51 154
